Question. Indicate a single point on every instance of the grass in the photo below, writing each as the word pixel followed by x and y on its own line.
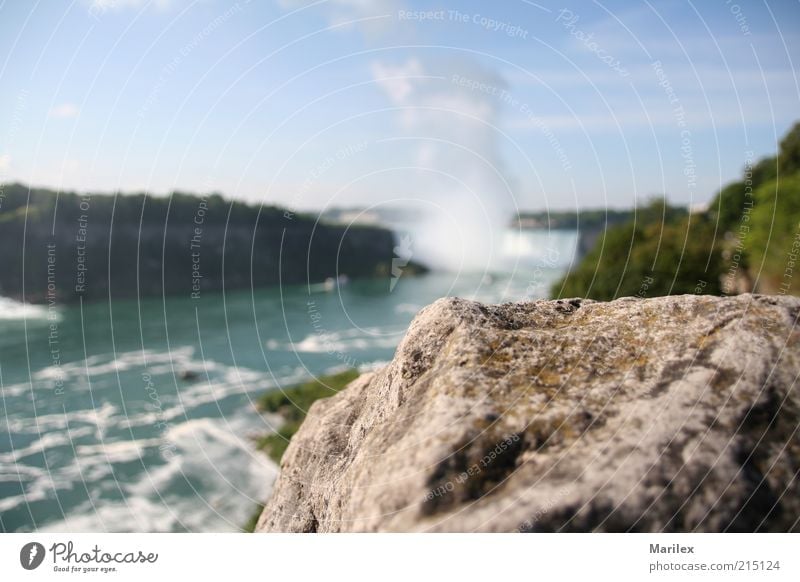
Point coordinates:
pixel 292 404
pixel 250 526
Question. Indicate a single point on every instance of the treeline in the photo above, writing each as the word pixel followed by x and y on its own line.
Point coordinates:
pixel 748 240
pixel 66 246
pixel 591 219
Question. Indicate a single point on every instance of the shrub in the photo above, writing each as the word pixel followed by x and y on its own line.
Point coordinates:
pixel 772 243
pixel 648 258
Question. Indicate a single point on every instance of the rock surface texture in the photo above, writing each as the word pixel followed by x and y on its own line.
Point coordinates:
pixel 667 414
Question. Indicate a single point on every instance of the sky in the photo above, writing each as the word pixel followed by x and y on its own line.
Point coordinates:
pixel 485 106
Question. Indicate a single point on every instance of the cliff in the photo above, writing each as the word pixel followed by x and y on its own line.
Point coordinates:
pixel 668 414
pixel 69 246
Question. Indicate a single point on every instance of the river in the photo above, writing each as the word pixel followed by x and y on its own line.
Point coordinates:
pixel 139 416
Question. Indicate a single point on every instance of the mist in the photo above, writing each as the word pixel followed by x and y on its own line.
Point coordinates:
pixel 448 114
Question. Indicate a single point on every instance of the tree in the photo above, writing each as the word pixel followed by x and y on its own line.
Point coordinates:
pixel 650 257
pixel 789 156
pixel 773 243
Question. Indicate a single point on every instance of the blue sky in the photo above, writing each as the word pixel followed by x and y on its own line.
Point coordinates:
pixel 341 102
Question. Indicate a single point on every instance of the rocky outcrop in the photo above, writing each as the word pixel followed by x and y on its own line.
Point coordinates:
pixel 667 414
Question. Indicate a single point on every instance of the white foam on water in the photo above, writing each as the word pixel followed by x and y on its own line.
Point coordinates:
pixel 407 308
pixel 231 477
pixel 154 362
pixel 98 417
pixel 117 451
pixel 47 441
pixel 342 341
pixel 140 513
pixel 214 381
pixel 11 310
pixel 215 455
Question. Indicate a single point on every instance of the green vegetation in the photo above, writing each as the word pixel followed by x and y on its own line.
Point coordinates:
pixel 648 257
pixel 250 525
pixel 292 405
pixel 773 242
pixel 747 240
pixel 592 218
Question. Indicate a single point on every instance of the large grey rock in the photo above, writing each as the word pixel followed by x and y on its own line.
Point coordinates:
pixel 667 414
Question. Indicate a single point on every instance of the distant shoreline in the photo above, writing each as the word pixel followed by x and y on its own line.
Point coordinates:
pixel 60 248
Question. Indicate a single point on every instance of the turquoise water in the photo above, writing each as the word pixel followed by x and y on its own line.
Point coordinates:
pixel 139 416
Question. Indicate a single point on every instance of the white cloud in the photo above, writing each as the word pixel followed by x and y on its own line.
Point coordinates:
pixel 64 111
pixel 458 100
pixel 100 6
pixel 397 81
pixel 5 162
pixel 374 18
pixel 347 9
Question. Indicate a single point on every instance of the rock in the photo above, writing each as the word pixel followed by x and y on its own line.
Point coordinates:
pixel 189 375
pixel 668 414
